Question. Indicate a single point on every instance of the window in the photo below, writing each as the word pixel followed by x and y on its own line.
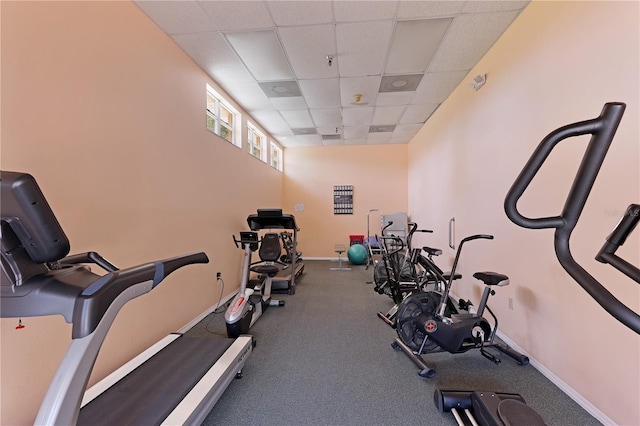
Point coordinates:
pixel 256 142
pixel 222 118
pixel 276 156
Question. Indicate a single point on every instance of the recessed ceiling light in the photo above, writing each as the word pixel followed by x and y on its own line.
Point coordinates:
pixel 398 84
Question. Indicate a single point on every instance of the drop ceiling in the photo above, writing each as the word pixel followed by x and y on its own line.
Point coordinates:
pixel 316 73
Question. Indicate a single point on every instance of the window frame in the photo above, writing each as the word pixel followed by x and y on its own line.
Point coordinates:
pixel 221 103
pixel 279 157
pixel 252 131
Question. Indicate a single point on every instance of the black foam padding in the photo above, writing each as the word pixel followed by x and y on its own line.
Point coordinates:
pixel 148 394
pixel 513 413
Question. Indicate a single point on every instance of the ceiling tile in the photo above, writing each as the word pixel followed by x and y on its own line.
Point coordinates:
pixel 323 93
pixel 405 131
pixel 212 52
pixel 284 104
pixel 366 86
pixel 332 142
pixel 355 132
pixel 398 140
pixel 300 12
pixel 177 17
pixel 492 6
pixel 262 53
pixel 417 113
pixel 387 114
pixel 352 11
pixel 272 121
pixel 307 48
pixel 298 118
pixel 378 138
pixel 436 87
pixel 362 47
pixel 394 98
pixel 237 15
pixel 309 140
pixel 414 43
pixel 461 52
pixel 424 9
pixel 355 141
pixel 357 116
pixel 327 117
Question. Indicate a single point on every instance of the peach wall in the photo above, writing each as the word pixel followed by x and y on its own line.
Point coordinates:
pixel 109 116
pixel 558 63
pixel 378 174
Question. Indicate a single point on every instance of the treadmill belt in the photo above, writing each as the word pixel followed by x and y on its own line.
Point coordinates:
pixel 148 394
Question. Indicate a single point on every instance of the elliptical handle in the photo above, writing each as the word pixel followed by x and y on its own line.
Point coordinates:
pixel 618 236
pixel 602 130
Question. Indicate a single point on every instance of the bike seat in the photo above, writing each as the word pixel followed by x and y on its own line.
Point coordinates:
pixel 492 278
pixel 432 251
pixel 268 270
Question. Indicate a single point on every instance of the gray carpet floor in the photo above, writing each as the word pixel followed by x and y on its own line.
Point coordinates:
pixel 326 359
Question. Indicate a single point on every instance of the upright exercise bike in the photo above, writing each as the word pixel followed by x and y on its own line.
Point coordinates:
pixel 249 304
pixel 424 322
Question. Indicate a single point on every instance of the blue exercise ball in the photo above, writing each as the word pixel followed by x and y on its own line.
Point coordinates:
pixel 357 254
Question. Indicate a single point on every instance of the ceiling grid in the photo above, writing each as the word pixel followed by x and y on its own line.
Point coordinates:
pixel 336 72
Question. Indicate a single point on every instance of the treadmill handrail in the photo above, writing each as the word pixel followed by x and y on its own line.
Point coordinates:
pixel 95 299
pixel 602 129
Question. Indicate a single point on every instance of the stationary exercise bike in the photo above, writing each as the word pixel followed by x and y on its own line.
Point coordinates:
pixel 249 304
pixel 416 274
pixel 425 323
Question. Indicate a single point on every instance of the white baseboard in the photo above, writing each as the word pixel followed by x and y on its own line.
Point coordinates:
pixel 562 385
pixel 321 258
pixel 209 310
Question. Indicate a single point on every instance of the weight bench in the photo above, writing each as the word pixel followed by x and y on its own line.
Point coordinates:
pixel 340 249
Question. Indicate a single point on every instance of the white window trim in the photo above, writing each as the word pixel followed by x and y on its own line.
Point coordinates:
pixel 274 146
pixel 237 119
pixel 252 128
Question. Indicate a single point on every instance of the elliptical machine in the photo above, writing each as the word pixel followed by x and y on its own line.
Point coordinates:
pixel 249 304
pixel 425 323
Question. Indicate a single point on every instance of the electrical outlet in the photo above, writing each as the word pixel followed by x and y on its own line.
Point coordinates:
pixel 218 275
pixel 511 303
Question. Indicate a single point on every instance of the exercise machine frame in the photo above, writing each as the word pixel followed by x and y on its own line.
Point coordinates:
pixel 37 280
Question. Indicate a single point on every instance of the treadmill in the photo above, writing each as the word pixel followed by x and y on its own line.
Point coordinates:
pixel 285 281
pixel 176 381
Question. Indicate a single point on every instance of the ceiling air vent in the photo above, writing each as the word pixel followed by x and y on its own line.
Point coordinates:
pixel 331 137
pixel 382 129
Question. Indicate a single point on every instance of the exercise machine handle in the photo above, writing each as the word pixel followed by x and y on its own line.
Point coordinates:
pixel 617 238
pixel 602 129
pixel 90 257
pixel 96 299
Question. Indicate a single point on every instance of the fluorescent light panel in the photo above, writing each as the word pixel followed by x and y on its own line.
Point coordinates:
pixel 262 53
pixel 414 43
